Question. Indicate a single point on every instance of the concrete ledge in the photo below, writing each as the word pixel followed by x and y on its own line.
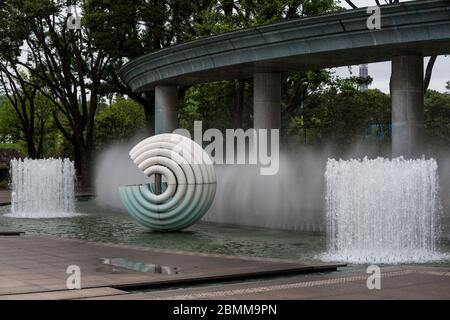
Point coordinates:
pixel 5 197
pixel 66 294
pixel 10 232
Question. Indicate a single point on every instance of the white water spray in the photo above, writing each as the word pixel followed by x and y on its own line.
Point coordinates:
pixel 42 188
pixel 382 211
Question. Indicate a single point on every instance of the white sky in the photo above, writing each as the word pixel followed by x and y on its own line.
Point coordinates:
pixel 381 72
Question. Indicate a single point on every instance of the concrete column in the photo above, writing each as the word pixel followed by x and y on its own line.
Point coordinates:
pixel 166 104
pixel 149 110
pixel 407 92
pixel 267 101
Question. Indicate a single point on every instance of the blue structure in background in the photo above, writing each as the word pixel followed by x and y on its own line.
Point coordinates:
pixel 380 132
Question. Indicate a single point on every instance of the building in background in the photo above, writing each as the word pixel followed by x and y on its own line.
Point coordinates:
pixel 363 74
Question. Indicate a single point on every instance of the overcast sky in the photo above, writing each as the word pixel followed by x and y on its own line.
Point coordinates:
pixel 380 72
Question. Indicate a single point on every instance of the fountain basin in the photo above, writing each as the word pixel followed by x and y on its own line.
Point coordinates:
pixel 101 224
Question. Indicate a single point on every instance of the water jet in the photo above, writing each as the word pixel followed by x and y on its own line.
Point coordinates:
pixel 43 188
pixel 382 211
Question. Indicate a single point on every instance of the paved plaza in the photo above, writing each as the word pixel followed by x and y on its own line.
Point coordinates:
pixel 38 264
pixel 34 267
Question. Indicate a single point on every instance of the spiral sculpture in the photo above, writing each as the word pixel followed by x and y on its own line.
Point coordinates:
pixel 188 191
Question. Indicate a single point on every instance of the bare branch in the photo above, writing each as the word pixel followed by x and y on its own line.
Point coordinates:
pixel 351 4
pixel 429 72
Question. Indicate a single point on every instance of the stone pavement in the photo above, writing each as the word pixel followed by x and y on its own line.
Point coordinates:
pixel 5 197
pixel 38 264
pixel 34 267
pixel 396 283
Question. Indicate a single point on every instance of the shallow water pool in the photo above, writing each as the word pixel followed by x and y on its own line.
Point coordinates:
pixel 106 225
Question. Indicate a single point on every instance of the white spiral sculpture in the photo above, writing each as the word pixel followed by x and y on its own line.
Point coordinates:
pixel 189 189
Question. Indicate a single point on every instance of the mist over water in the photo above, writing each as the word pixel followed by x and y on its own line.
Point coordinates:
pixel 114 168
pixel 294 199
pixel 291 200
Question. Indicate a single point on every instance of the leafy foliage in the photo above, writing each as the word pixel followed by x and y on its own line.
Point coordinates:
pixel 119 121
pixel 437 117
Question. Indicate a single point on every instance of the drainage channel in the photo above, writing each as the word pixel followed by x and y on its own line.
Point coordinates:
pixel 217 281
pixel 117 263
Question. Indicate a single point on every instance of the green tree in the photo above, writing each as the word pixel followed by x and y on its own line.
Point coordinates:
pixel 31 111
pixel 228 104
pixel 127 29
pixel 437 118
pixel 341 115
pixel 130 28
pixel 66 65
pixel 121 120
pixel 45 140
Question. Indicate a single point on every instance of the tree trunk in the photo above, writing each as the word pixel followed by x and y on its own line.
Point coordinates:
pixel 83 161
pixel 227 7
pixel 86 166
pixel 83 145
pixel 41 138
pixel 429 72
pixel 77 160
pixel 31 149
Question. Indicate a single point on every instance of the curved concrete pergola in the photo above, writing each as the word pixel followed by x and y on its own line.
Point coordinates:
pixel 409 31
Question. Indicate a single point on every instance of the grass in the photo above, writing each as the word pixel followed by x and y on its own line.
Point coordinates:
pixel 15 146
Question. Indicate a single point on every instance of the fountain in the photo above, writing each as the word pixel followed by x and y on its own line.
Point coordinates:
pixel 42 188
pixel 382 211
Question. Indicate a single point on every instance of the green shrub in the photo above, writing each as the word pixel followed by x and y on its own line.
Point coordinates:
pixel 4 185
